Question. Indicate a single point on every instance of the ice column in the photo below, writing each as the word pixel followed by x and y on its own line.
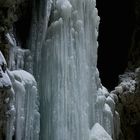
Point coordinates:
pixel 27 122
pixel 68 70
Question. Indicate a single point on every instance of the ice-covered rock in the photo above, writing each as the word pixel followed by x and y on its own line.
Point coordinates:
pixel 18 104
pixel 111 103
pixel 5 82
pixel 27 121
pixel 7 108
pixel 18 58
pixel 99 133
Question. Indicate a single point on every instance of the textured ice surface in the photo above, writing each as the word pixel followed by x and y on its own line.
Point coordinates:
pixel 99 133
pixel 4 79
pixel 64 7
pixel 11 39
pixel 7 109
pixel 66 67
pixel 18 58
pixel 27 120
pixel 64 46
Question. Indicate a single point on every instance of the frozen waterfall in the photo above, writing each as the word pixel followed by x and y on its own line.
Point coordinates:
pixel 62 55
pixel 64 44
pixel 68 78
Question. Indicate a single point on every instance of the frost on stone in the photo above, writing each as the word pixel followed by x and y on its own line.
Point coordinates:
pixel 127 83
pixel 99 133
pixel 7 108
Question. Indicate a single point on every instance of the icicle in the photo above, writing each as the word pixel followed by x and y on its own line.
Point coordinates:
pixel 18 58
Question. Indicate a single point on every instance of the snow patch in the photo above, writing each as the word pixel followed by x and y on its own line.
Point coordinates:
pixel 2 59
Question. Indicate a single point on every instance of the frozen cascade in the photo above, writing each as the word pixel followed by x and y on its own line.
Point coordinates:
pixel 73 103
pixel 63 42
pixel 19 103
pixel 40 18
pixel 27 122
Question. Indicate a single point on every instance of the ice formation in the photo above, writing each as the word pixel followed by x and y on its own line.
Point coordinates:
pixel 7 109
pixel 73 103
pixel 19 104
pixel 98 133
pixel 64 46
pixel 19 58
pixel 27 122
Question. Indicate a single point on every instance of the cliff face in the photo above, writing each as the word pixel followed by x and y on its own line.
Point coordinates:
pixel 128 90
pixel 16 86
pixel 134 52
pixel 14 15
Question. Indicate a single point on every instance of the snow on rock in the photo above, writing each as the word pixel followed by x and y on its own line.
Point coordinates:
pixel 7 108
pixel 127 83
pixel 18 104
pixel 119 89
pixel 5 82
pixel 99 133
pixel 2 59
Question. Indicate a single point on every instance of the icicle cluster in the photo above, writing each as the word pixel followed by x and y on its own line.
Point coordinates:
pixel 27 119
pixel 106 115
pixel 19 104
pixel 18 58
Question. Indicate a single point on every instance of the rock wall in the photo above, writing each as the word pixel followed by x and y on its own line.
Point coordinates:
pixel 128 90
pixel 14 14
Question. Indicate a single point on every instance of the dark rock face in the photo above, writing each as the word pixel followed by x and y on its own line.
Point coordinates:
pixel 128 90
pixel 134 52
pixel 6 98
pixel 15 14
pixel 129 104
